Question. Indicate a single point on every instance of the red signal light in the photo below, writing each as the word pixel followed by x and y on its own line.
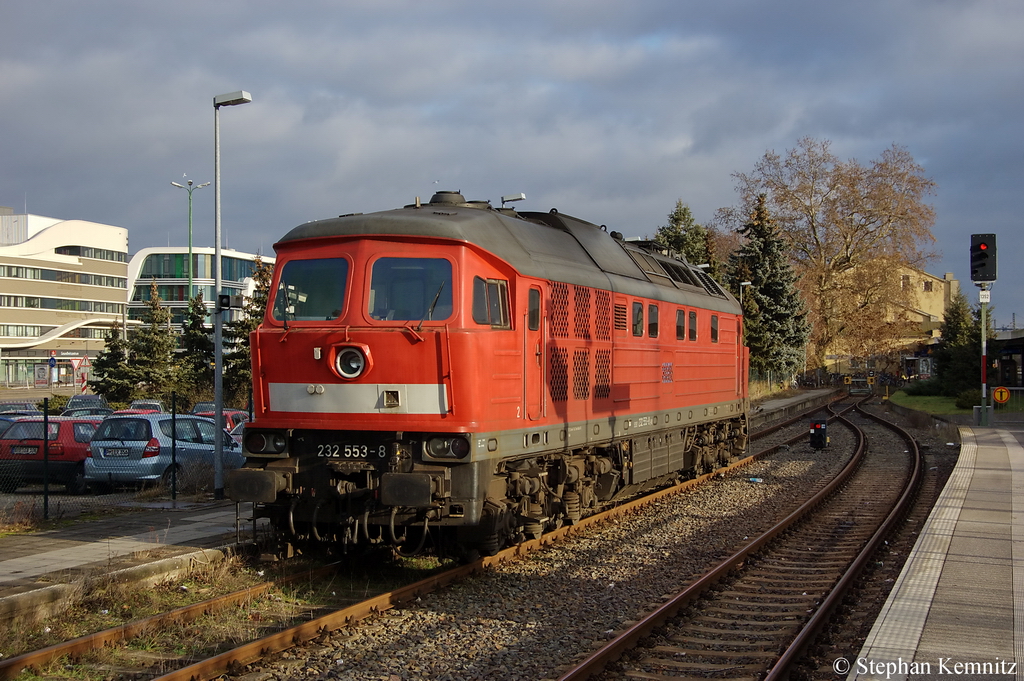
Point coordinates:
pixel 983 246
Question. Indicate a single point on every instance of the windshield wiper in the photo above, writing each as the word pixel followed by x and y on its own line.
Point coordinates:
pixel 430 310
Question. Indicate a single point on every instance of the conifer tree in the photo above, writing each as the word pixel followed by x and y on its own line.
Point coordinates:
pixel 958 357
pixel 775 322
pixel 699 244
pixel 195 362
pixel 151 349
pixel 112 376
pixel 238 361
pixel 683 235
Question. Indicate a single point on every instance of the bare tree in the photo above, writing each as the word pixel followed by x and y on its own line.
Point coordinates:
pixel 839 217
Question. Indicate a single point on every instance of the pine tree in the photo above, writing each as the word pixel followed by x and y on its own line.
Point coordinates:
pixel 958 357
pixel 151 349
pixel 683 235
pixel 112 376
pixel 238 361
pixel 775 322
pixel 195 363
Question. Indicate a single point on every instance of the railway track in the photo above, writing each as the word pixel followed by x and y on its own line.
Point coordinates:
pixel 754 615
pixel 316 628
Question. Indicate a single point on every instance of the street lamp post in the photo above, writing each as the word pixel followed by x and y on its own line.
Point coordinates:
pixel 230 99
pixel 742 285
pixel 190 189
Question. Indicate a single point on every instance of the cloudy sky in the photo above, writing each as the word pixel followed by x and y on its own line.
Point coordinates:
pixel 606 109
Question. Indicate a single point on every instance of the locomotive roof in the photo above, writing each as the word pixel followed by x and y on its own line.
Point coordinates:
pixel 549 245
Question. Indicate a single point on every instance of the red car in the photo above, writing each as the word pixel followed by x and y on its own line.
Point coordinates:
pixel 21 456
pixel 232 417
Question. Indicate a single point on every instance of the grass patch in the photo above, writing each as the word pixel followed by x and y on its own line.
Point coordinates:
pixel 106 602
pixel 946 406
pixel 930 404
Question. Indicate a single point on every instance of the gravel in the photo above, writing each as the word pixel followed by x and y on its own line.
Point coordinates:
pixel 529 619
pixel 525 620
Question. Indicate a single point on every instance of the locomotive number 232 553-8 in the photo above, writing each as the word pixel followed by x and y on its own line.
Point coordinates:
pixel 351 451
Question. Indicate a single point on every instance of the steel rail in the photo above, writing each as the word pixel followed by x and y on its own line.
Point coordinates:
pixel 249 652
pixel 628 639
pixel 11 667
pixel 36 659
pixel 819 619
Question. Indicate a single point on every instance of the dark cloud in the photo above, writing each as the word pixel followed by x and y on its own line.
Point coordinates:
pixel 605 109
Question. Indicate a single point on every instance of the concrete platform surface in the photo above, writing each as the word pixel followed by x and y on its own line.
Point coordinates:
pixel 95 547
pixel 957 608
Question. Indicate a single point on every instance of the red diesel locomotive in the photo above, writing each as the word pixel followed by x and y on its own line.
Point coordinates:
pixel 472 375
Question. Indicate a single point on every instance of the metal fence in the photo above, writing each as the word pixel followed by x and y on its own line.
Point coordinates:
pixel 1007 403
pixel 93 464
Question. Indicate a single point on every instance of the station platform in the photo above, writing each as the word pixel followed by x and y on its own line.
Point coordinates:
pixel 957 608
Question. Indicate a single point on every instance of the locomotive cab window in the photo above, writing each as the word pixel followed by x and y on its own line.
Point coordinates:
pixel 533 310
pixel 714 328
pixel 680 324
pixel 638 319
pixel 490 303
pixel 652 321
pixel 311 290
pixel 693 325
pixel 411 289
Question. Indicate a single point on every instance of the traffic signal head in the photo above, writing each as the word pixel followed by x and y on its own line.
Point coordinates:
pixel 819 434
pixel 983 257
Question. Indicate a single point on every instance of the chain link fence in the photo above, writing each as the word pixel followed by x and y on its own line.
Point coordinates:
pixel 93 464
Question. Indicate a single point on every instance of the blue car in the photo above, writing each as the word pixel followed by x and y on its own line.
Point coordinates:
pixel 134 449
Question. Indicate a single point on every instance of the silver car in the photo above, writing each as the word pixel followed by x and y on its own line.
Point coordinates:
pixel 137 448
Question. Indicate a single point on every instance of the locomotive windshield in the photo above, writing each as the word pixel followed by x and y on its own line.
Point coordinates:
pixel 411 289
pixel 311 290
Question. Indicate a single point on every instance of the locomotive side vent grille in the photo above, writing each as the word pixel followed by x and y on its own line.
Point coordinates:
pixel 581 374
pixel 603 315
pixel 558 377
pixel 581 313
pixel 559 306
pixel 602 374
pixel 621 318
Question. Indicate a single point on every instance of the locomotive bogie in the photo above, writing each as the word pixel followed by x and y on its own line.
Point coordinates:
pixel 481 375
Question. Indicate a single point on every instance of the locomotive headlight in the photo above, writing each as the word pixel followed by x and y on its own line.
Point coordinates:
pixel 352 361
pixel 265 442
pixel 448 447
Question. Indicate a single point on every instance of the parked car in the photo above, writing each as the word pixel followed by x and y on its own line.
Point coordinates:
pixel 6 420
pixel 148 405
pixel 235 432
pixel 232 417
pixel 81 401
pixel 21 452
pixel 136 449
pixel 18 407
pixel 200 407
pixel 88 411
